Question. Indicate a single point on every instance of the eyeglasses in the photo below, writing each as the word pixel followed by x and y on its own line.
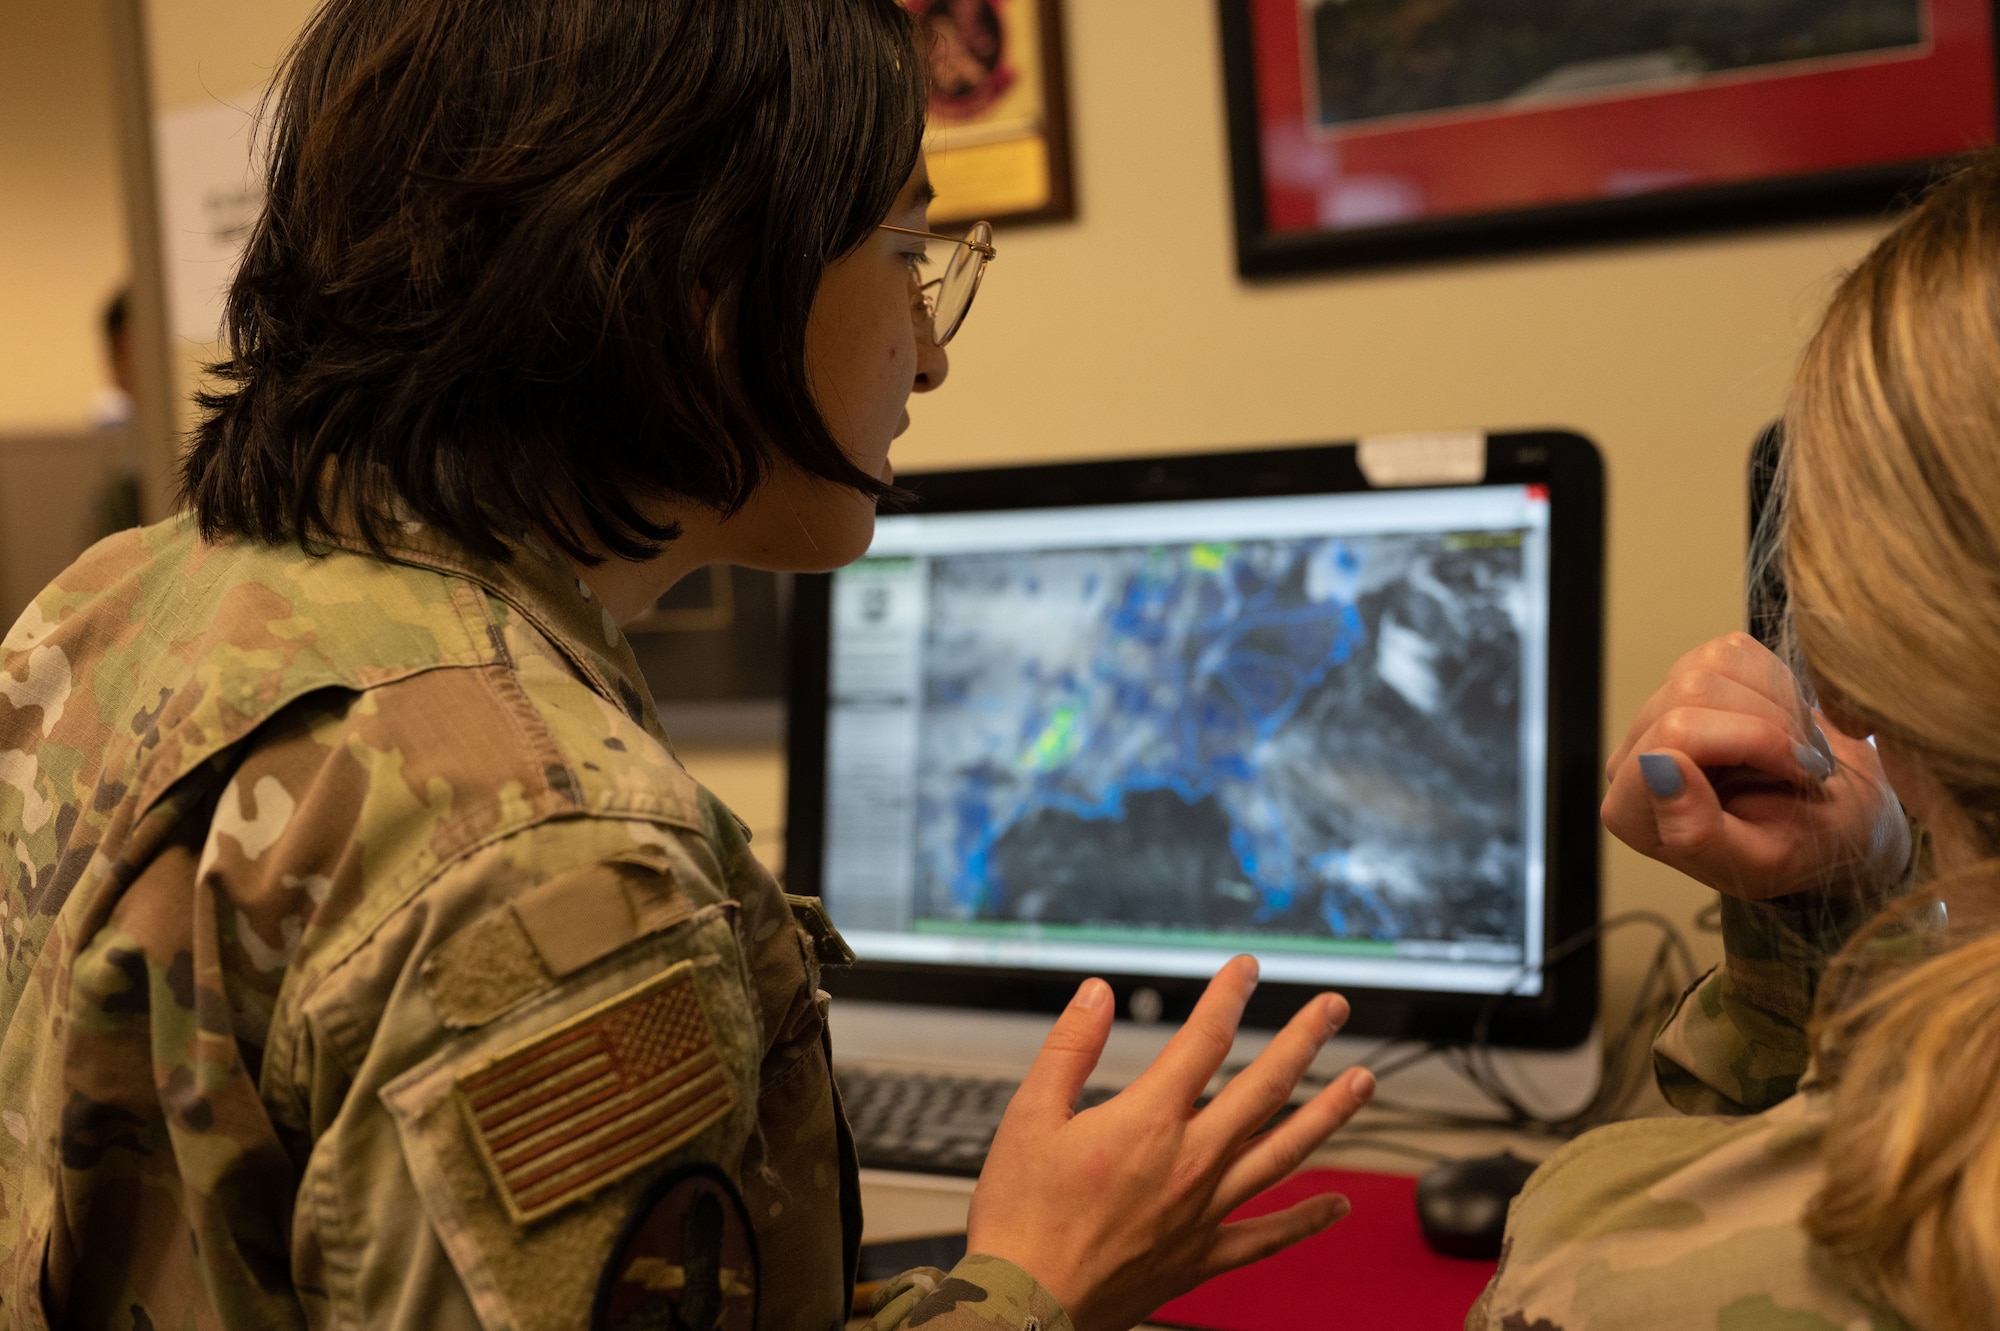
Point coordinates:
pixel 947 298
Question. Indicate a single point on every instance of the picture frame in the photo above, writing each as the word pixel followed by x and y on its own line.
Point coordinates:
pixel 713 651
pixel 1368 132
pixel 998 138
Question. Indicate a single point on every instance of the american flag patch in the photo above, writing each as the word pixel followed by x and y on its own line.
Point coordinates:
pixel 607 1092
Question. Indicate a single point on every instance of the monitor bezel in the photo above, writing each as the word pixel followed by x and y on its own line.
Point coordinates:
pixel 1561 1016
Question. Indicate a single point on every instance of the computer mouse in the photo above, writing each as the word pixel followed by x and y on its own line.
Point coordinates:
pixel 1462 1204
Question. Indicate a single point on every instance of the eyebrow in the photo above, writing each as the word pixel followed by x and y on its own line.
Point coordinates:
pixel 926 195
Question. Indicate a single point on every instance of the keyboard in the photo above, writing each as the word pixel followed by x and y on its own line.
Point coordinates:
pixel 927 1124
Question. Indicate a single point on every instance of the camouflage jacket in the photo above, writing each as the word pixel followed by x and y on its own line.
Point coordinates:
pixel 371 961
pixel 1695 1222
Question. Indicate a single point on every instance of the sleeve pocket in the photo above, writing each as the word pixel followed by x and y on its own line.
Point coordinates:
pixel 532 1141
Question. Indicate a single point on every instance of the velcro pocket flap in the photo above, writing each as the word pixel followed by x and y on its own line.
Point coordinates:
pixel 550 932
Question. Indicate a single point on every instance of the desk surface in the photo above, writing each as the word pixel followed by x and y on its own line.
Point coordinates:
pixel 902 1206
pixel 953 1042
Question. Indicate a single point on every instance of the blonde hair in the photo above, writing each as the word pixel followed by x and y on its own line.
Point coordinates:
pixel 1892 555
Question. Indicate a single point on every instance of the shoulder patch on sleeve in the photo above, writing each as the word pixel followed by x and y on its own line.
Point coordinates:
pixel 687 1259
pixel 607 1092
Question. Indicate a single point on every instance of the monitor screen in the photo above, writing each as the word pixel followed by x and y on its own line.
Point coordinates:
pixel 1139 738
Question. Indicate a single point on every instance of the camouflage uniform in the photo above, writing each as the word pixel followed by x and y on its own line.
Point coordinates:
pixel 370 961
pixel 1695 1222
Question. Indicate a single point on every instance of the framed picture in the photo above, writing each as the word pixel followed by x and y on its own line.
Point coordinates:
pixel 713 651
pixel 998 137
pixel 1370 131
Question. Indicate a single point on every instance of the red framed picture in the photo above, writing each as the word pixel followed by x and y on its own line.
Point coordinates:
pixel 1367 131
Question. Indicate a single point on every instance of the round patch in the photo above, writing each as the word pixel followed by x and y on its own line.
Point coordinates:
pixel 687 1261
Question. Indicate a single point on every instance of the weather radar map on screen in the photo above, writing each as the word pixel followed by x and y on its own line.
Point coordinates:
pixel 1143 738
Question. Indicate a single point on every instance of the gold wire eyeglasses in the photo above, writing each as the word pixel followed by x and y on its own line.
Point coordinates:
pixel 947 298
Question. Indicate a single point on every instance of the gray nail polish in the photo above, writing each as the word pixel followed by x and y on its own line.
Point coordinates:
pixel 1818 765
pixel 1662 775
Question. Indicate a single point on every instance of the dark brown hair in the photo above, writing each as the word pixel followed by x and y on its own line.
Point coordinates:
pixel 524 261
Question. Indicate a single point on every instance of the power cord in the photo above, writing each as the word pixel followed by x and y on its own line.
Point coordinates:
pixel 1626 1053
pixel 1625 1067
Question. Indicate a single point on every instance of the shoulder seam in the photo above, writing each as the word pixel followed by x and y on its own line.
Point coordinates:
pixel 302 981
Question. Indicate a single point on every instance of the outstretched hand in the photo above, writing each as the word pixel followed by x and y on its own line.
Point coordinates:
pixel 1723 776
pixel 1122 1207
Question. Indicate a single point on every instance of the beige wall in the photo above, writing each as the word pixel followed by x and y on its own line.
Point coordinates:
pixel 1128 333
pixel 204 51
pixel 62 243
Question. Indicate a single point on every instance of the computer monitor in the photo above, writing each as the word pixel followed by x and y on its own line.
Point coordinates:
pixel 1130 718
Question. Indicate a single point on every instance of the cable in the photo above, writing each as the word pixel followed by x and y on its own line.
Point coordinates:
pixel 1625 1063
pixel 1390 1067
pixel 1623 1071
pixel 1349 1141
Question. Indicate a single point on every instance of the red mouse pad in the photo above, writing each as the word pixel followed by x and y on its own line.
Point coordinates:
pixel 1370 1272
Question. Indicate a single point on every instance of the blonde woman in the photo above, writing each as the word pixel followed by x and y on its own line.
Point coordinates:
pixel 1843 1166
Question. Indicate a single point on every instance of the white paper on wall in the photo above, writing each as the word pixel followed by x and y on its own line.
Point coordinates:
pixel 211 193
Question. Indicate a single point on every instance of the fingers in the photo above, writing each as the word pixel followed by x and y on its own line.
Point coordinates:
pixel 1252 1240
pixel 1740 657
pixel 1733 672
pixel 1254 1094
pixel 1192 1058
pixel 1664 805
pixel 1661 801
pixel 1067 1056
pixel 1760 844
pixel 1707 692
pixel 1714 738
pixel 1278 1152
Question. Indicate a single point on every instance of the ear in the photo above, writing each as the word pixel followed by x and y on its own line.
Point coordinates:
pixel 1835 707
pixel 1845 721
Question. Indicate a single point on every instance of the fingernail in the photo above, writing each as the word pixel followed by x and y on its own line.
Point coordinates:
pixel 1255 969
pixel 1816 764
pixel 1091 995
pixel 1662 775
pixel 1336 1014
pixel 1364 1086
pixel 1818 740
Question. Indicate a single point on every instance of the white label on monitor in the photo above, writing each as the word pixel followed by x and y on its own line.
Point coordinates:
pixel 1391 461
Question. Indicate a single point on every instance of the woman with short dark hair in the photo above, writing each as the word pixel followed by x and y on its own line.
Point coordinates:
pixel 543 260
pixel 370 960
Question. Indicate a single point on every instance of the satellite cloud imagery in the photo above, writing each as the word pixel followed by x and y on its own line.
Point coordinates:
pixel 1315 739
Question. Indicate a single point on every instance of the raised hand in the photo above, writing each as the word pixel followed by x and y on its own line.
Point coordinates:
pixel 1727 776
pixel 1120 1208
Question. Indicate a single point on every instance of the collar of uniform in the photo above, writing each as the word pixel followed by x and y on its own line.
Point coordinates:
pixel 544 588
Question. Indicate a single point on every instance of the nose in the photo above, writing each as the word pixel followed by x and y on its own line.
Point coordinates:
pixel 932 362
